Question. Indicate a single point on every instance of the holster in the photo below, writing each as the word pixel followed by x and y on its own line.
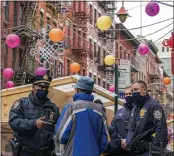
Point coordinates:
pixel 16 146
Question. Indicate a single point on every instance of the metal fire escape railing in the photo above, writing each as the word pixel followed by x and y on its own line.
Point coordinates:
pixel 26 31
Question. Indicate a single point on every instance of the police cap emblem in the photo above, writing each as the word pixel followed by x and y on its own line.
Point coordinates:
pixel 157 114
pixel 142 112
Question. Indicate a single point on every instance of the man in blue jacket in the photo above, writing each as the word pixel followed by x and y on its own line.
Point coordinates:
pixel 119 127
pixel 82 127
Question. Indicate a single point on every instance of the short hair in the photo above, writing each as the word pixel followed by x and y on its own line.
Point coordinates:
pixel 143 83
pixel 98 101
pixel 128 86
pixel 85 91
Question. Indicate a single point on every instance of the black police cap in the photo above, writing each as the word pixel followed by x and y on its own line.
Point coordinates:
pixel 41 80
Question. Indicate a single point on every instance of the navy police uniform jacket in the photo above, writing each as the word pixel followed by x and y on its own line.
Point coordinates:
pixel 22 120
pixel 147 118
pixel 119 129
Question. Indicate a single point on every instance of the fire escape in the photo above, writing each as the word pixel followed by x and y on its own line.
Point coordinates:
pixel 109 38
pixel 30 37
pixel 80 46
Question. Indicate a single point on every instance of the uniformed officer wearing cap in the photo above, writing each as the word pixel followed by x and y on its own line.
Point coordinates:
pixel 33 119
pixel 147 118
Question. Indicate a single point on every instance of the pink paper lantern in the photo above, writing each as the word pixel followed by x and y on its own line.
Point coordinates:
pixel 143 49
pixel 8 73
pixel 111 88
pixel 40 71
pixel 9 84
pixel 12 40
pixel 152 9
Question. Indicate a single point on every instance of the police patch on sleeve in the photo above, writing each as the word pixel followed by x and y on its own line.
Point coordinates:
pixel 157 114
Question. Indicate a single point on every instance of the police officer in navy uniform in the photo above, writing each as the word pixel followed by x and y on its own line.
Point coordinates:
pixel 119 127
pixel 147 118
pixel 33 120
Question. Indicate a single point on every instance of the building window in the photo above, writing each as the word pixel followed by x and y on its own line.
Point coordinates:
pixel 6 10
pixel 104 54
pixel 95 49
pixel 99 81
pixel 125 52
pixel 128 56
pixel 79 32
pixel 5 56
pixel 68 67
pixel 98 57
pixel 104 84
pixel 95 16
pixel 90 74
pixel 91 15
pixel 84 72
pixel 120 52
pixel 162 49
pixel 15 13
pixel 116 50
pixel 41 19
pixel 21 9
pixel 167 49
pixel 95 79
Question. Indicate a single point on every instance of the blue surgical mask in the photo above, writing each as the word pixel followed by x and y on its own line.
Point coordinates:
pixel 41 94
pixel 137 97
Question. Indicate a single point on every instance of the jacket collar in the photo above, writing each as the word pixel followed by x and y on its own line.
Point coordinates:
pixel 83 96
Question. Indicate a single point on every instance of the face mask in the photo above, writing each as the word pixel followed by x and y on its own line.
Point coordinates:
pixel 136 96
pixel 41 94
pixel 129 99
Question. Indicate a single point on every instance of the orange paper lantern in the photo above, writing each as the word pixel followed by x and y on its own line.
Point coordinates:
pixel 167 80
pixel 56 35
pixel 75 67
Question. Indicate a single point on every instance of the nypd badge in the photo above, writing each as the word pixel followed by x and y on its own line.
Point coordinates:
pixel 51 116
pixel 142 112
pixel 16 104
pixel 157 114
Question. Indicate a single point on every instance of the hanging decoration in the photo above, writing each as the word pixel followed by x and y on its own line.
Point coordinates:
pixel 112 88
pixel 104 22
pixel 40 71
pixel 46 52
pixel 56 35
pixel 109 60
pixel 167 80
pixel 12 40
pixel 75 67
pixel 8 73
pixel 143 49
pixel 9 84
pixel 152 9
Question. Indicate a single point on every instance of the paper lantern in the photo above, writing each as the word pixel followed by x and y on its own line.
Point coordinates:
pixel 40 71
pixel 8 73
pixel 75 67
pixel 109 60
pixel 112 88
pixel 152 9
pixel 56 35
pixel 12 40
pixel 104 22
pixel 143 49
pixel 9 84
pixel 167 80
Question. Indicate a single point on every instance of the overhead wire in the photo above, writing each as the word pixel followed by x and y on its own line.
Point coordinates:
pixel 125 39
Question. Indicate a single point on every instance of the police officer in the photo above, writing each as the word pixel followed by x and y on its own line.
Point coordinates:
pixel 119 127
pixel 32 119
pixel 147 118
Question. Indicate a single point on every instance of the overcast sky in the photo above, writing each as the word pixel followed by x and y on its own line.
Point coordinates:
pixel 165 12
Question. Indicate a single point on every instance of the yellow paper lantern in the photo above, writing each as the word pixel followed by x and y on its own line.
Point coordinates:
pixel 104 22
pixel 56 35
pixel 109 60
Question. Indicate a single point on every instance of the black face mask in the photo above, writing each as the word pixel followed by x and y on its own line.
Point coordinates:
pixel 41 94
pixel 137 97
pixel 129 99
